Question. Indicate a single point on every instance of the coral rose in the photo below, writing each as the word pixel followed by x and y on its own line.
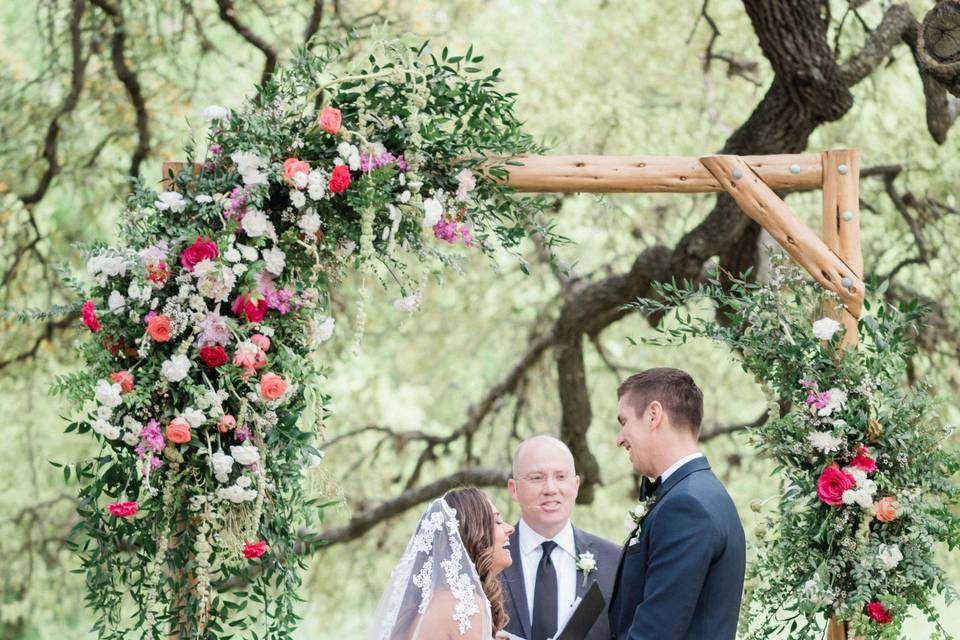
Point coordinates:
pixel 831 485
pixel 158 328
pixel 178 431
pixel 122 509
pixel 254 549
pixel 879 613
pixel 292 166
pixel 90 316
pixel 886 509
pixel 213 356
pixel 226 423
pixel 330 119
pixel 125 379
pixel 201 249
pixel 339 179
pixel 272 386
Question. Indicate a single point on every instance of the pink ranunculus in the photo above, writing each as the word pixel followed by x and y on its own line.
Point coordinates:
pixel 253 550
pixel 330 119
pixel 832 483
pixel 125 379
pixel 201 249
pixel 261 341
pixel 89 315
pixel 272 386
pixel 122 509
pixel 252 311
pixel 864 461
pixel 178 431
pixel 879 613
pixel 292 166
pixel 339 179
pixel 226 423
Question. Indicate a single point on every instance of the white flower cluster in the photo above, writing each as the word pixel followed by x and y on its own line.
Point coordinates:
pixel 101 267
pixel 890 555
pixel 824 441
pixel 245 454
pixel 249 167
pixel 214 281
pixel 816 594
pixel 172 201
pixel 865 489
pixel 175 368
pixel 238 492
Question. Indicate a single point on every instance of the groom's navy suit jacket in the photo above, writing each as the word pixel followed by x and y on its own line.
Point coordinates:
pixel 515 593
pixel 683 579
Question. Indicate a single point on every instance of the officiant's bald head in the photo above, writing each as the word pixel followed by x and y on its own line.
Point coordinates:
pixel 544 483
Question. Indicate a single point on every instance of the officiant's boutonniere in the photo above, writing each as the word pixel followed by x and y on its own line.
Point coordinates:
pixel 587 564
pixel 635 518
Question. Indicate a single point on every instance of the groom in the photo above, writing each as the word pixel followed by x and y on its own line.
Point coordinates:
pixel 681 571
pixel 550 567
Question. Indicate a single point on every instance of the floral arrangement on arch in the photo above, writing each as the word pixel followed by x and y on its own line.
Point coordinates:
pixel 865 479
pixel 200 375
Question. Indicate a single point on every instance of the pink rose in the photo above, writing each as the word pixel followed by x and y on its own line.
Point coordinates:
pixel 831 485
pixel 272 386
pixel 330 120
pixel 158 327
pixel 339 179
pixel 125 379
pixel 90 316
pixel 292 166
pixel 886 509
pixel 122 509
pixel 876 611
pixel 864 461
pixel 201 249
pixel 253 550
pixel 178 431
pixel 261 341
pixel 226 423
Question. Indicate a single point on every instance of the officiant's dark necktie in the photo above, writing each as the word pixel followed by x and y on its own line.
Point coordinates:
pixel 545 596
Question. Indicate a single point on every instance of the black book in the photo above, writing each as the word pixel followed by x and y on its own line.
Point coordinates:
pixel 581 620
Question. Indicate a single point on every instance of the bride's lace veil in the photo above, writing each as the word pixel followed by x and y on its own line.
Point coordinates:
pixel 435 591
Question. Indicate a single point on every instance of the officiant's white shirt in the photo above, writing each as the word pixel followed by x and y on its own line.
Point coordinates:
pixel 564 559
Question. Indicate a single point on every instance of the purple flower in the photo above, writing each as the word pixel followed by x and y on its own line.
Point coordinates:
pixel 215 149
pixel 279 299
pixel 213 330
pixel 236 206
pixel 369 162
pixel 818 400
pixel 152 438
pixel 242 433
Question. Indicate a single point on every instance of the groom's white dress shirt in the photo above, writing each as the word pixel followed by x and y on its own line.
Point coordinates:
pixel 564 559
pixel 679 463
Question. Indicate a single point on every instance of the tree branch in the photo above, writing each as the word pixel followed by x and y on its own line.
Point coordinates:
pixel 228 15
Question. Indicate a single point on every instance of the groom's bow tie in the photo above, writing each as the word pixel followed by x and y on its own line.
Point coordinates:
pixel 647 487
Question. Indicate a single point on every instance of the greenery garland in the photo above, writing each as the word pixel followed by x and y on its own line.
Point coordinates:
pixel 865 482
pixel 200 380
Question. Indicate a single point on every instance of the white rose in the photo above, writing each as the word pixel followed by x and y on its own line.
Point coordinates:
pixel 107 393
pixel 824 328
pixel 300 179
pixel 116 301
pixel 232 255
pixel 132 425
pixel 432 211
pixel 323 329
pixel 175 369
pixel 105 429
pixel 274 260
pixel 297 199
pixel 243 482
pixel 890 555
pixel 170 200
pixel 245 454
pixel 203 199
pixel 249 253
pixel 222 463
pixel 404 196
pixel 194 416
pixel 255 223
pixel 628 523
pixel 130 439
pixel 316 185
pixel 587 562
pixel 216 112
pixel 309 223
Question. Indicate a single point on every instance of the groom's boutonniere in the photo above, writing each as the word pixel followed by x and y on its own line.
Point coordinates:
pixel 586 564
pixel 635 518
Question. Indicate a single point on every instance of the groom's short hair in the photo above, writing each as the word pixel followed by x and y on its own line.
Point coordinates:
pixel 674 389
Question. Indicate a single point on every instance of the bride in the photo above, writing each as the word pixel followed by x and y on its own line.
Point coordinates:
pixel 445 586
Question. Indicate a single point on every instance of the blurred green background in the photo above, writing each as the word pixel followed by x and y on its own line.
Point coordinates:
pixel 592 76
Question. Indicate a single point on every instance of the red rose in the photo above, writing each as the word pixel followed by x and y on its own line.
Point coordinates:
pixel 878 612
pixel 330 119
pixel 864 461
pixel 125 379
pixel 253 311
pixel 201 249
pixel 213 356
pixel 340 179
pixel 254 549
pixel 831 485
pixel 90 315
pixel 122 509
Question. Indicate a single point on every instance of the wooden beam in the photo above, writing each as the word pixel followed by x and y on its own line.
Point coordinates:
pixel 652 174
pixel 758 201
pixel 841 219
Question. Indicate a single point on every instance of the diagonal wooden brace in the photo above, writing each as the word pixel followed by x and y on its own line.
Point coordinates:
pixel 759 202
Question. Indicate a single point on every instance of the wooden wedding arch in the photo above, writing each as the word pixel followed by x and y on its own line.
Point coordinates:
pixel 835 261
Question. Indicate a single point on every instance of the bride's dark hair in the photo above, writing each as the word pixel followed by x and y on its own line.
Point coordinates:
pixel 476 520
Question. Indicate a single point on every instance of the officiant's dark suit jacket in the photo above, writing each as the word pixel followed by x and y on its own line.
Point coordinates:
pixel 515 593
pixel 683 579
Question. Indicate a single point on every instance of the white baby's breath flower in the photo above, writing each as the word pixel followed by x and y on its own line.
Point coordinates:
pixel 408 303
pixel 824 328
pixel 203 199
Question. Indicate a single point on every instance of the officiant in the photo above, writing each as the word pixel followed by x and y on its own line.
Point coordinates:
pixel 554 562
